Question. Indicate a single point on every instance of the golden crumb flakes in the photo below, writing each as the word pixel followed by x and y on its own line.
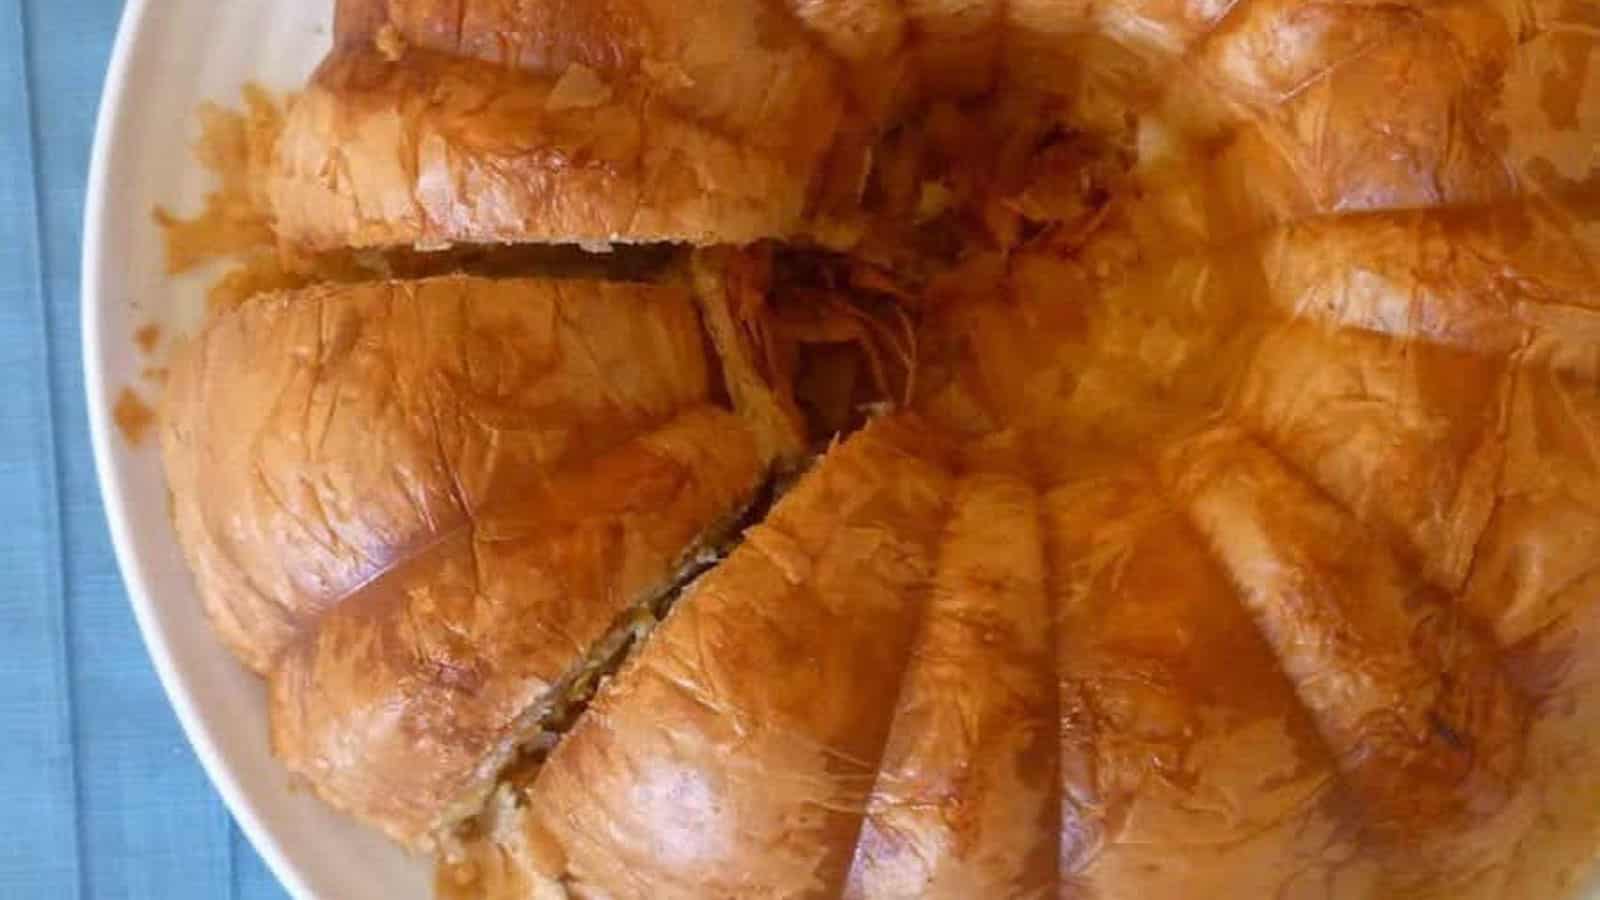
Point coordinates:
pixel 133 416
pixel 237 146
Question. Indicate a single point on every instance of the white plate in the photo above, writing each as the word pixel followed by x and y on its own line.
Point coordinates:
pixel 170 56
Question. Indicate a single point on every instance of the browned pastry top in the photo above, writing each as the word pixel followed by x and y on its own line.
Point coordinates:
pixel 1241 539
pixel 413 506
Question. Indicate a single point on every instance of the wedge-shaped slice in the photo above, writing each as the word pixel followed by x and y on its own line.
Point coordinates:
pixel 735 754
pixel 1359 106
pixel 312 438
pixel 404 703
pixel 415 507
pixel 1404 433
pixel 1537 585
pixel 965 799
pixel 1371 105
pixel 1425 726
pixel 1266 53
pixel 744 67
pixel 1288 109
pixel 439 151
pixel 1536 576
pixel 1485 279
pixel 544 121
pixel 1392 385
pixel 1189 767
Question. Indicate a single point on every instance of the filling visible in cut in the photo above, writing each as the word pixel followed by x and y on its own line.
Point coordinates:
pixel 815 337
pixel 540 727
pixel 814 342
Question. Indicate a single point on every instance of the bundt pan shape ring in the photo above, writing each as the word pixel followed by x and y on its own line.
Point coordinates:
pixel 1243 545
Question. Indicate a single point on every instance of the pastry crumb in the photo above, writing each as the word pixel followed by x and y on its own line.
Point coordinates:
pixel 133 416
pixel 389 43
pixel 237 146
pixel 147 337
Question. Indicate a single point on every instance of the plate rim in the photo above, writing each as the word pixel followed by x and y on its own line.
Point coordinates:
pixel 94 294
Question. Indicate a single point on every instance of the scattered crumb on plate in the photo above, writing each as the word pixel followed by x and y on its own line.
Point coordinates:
pixel 133 416
pixel 147 337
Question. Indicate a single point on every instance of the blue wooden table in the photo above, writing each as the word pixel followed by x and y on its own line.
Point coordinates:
pixel 100 796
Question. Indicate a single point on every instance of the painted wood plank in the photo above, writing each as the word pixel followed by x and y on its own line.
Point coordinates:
pixel 40 856
pixel 149 824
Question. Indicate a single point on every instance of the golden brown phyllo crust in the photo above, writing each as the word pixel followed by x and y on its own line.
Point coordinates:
pixel 396 497
pixel 1200 398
